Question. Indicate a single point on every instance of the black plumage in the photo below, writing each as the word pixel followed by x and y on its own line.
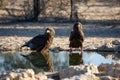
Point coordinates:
pixel 41 42
pixel 76 37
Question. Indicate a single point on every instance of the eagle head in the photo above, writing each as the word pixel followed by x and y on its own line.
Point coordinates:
pixel 77 26
pixel 50 31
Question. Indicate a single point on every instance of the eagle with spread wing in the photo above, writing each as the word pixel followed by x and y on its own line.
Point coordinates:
pixel 41 42
pixel 76 37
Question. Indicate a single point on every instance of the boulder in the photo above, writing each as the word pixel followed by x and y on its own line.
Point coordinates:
pixel 110 69
pixel 77 71
pixel 22 74
pixel 116 42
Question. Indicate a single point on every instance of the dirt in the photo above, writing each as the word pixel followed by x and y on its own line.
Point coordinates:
pixel 12 36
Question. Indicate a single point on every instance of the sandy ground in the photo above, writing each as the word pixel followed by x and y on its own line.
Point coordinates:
pixel 12 36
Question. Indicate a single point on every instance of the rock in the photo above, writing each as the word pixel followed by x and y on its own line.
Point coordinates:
pixel 88 77
pixel 12 75
pixel 106 47
pixel 110 46
pixel 92 69
pixel 106 78
pixel 115 42
pixel 78 70
pixel 110 69
pixel 83 77
pixel 117 48
pixel 40 76
pixel 22 74
pixel 102 67
pixel 30 72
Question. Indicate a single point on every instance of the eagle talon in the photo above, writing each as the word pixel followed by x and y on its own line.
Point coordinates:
pixel 70 50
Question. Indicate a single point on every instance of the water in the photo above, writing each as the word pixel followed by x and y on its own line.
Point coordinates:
pixel 60 60
pixel 13 60
pixel 95 58
pixel 51 61
pixel 63 59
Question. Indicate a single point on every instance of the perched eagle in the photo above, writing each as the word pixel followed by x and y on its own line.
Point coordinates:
pixel 41 42
pixel 76 37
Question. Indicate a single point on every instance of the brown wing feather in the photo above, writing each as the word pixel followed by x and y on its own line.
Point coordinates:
pixel 41 42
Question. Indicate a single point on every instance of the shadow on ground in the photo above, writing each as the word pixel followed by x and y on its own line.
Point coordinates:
pixel 90 29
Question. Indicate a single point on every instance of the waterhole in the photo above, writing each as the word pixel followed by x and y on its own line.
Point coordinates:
pixel 52 61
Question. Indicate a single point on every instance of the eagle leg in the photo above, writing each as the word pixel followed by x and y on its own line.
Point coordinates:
pixel 81 50
pixel 70 50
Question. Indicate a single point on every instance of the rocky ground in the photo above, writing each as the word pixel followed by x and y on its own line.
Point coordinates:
pixel 80 72
pixel 97 37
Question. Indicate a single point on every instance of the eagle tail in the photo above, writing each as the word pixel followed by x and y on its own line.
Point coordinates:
pixel 23 46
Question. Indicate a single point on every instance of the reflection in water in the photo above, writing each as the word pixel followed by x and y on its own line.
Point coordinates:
pixel 63 59
pixel 60 60
pixel 41 60
pixel 95 58
pixel 75 59
pixel 48 61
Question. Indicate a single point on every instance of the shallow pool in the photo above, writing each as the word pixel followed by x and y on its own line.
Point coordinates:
pixel 56 61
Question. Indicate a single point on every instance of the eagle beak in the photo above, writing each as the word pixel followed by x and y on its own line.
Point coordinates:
pixel 48 31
